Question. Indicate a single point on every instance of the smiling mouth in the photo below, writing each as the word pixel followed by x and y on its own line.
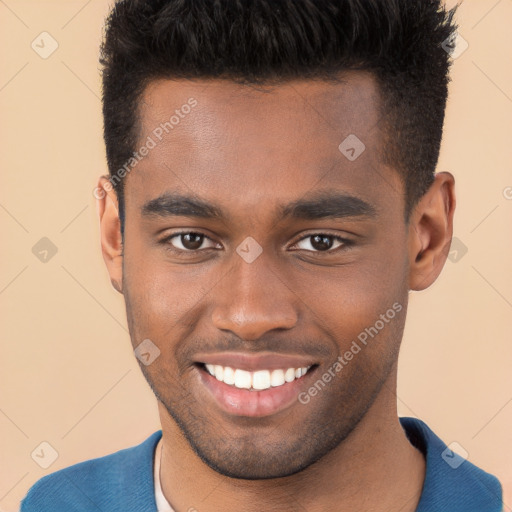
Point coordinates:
pixel 255 381
pixel 255 393
pixel 252 384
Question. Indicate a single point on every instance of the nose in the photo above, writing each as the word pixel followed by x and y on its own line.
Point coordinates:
pixel 253 299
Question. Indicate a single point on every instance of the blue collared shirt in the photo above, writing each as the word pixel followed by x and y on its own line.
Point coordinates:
pixel 123 481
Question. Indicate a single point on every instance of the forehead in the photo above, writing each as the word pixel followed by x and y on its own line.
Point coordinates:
pixel 314 108
pixel 219 139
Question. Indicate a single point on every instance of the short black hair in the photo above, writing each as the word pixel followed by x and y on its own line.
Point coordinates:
pixel 271 41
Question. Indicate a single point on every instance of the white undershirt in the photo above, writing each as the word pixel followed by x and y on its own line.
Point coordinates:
pixel 162 505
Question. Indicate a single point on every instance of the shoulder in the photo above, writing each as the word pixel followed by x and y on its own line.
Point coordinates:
pixel 452 483
pixel 120 481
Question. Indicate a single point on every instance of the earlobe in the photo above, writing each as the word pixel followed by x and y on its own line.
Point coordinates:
pixel 116 285
pixel 110 230
pixel 430 232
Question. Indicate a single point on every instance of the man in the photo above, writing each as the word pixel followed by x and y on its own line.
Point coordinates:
pixel 272 199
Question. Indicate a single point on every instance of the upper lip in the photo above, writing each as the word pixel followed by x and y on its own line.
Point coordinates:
pixel 255 362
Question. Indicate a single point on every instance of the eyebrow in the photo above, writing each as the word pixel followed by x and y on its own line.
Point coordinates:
pixel 328 205
pixel 321 205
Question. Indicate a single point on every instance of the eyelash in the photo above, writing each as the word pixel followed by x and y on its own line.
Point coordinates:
pixel 346 243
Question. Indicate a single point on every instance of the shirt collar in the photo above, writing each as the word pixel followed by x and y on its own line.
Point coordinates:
pixel 451 484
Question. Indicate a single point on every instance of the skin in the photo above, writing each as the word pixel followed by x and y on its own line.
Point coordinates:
pixel 248 151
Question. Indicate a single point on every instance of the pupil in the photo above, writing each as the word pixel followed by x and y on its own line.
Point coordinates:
pixel 192 241
pixel 321 243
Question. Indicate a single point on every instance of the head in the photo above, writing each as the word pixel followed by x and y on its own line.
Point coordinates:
pixel 274 194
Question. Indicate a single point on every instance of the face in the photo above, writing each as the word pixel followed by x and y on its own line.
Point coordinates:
pixel 254 244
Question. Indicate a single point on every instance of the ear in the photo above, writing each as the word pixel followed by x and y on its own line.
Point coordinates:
pixel 110 230
pixel 430 232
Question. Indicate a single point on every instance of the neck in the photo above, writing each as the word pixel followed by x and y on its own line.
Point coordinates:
pixel 374 469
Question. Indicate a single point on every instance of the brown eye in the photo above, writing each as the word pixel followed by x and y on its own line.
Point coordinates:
pixel 188 241
pixel 191 241
pixel 321 242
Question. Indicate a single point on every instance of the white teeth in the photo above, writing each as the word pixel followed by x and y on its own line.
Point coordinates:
pixel 258 380
pixel 289 374
pixel 261 379
pixel 243 379
pixel 219 372
pixel 229 375
pixel 277 378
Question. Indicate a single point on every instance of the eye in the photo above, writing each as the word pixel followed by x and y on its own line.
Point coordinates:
pixel 322 242
pixel 193 242
pixel 188 241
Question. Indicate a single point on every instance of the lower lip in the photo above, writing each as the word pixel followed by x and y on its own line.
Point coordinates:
pixel 244 402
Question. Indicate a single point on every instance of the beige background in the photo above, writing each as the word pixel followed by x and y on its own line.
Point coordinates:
pixel 67 374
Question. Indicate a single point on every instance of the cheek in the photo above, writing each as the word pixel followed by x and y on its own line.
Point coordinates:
pixel 160 295
pixel 166 300
pixel 348 302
